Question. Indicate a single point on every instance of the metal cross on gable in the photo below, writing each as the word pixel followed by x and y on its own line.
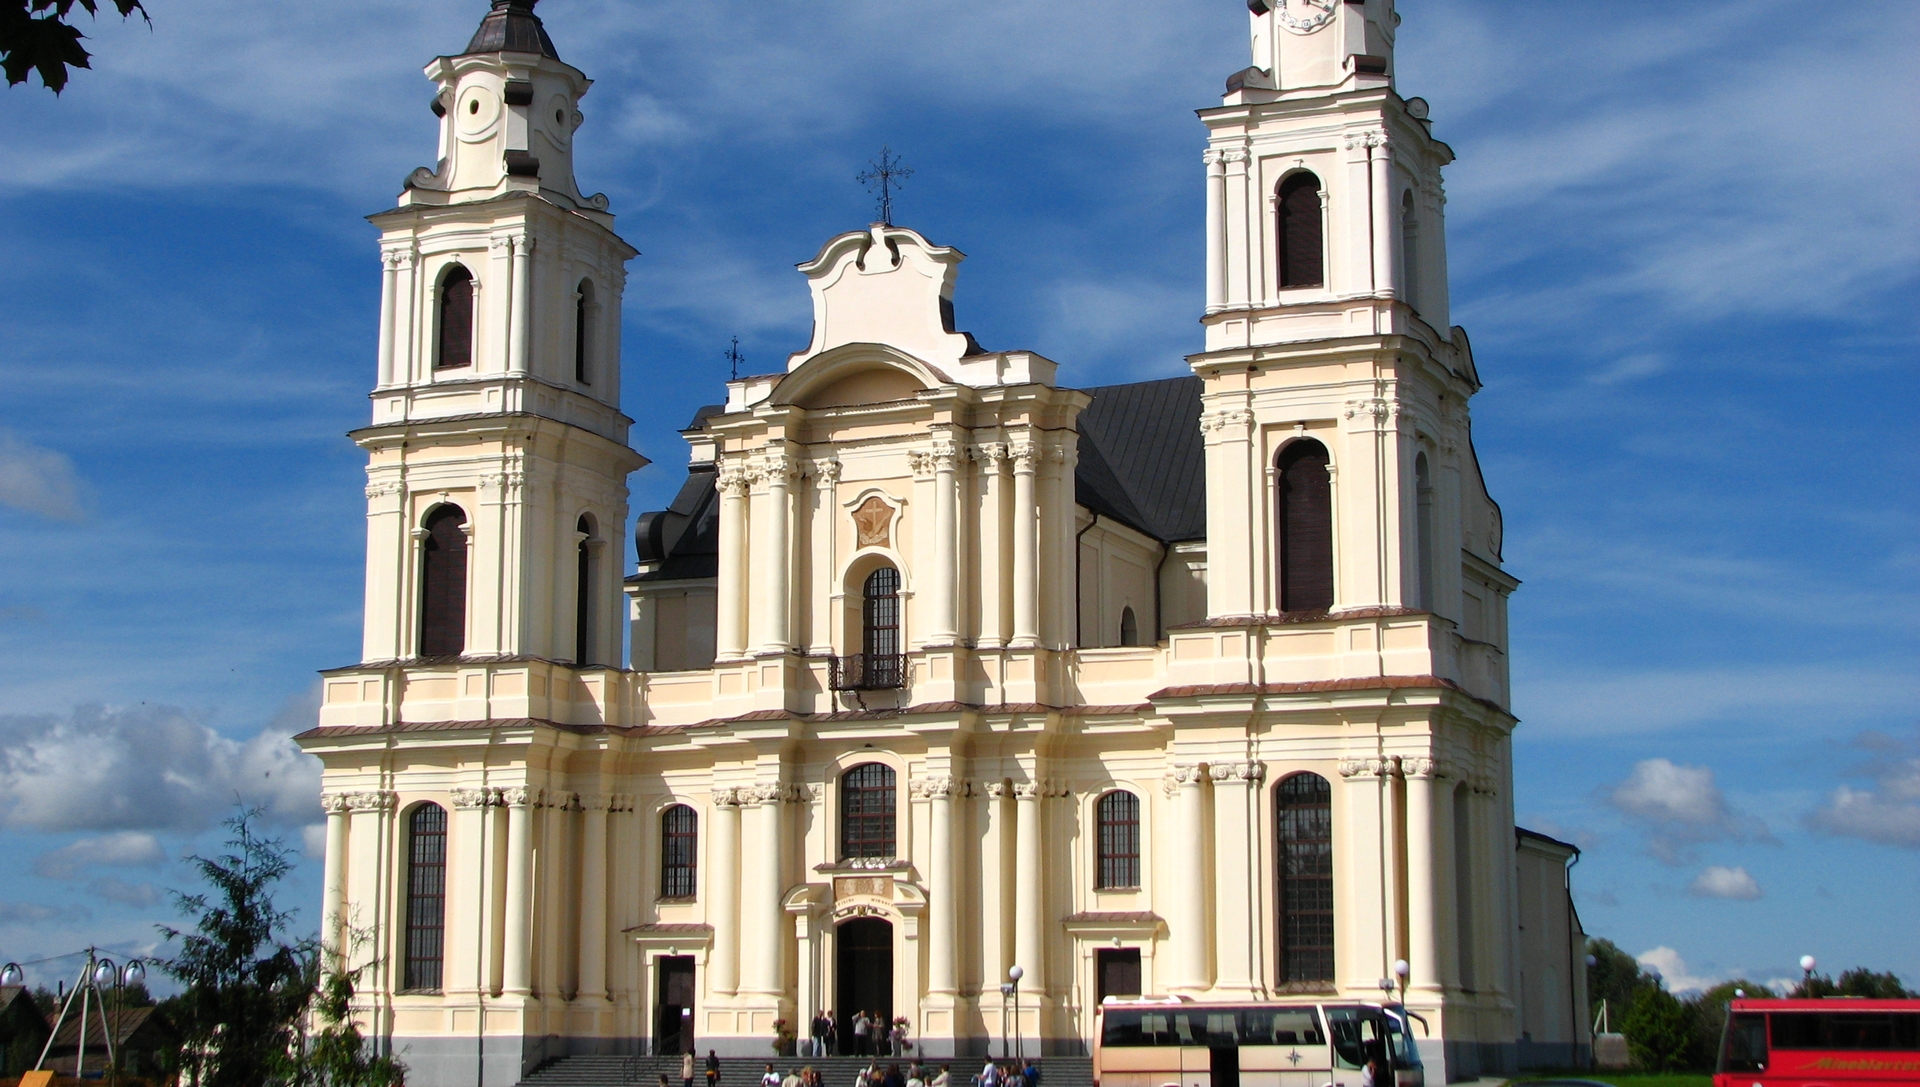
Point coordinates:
pixel 886 174
pixel 735 358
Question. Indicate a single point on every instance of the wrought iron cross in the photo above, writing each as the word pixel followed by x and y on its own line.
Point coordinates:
pixel 735 358
pixel 886 175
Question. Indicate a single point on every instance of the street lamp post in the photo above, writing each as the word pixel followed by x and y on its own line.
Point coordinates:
pixel 1019 1042
pixel 1807 963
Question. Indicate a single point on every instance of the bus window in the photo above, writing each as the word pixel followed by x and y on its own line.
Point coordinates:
pixel 1356 1036
pixel 1746 1048
pixel 1846 1030
pixel 1406 1051
pixel 1126 1027
pixel 1281 1026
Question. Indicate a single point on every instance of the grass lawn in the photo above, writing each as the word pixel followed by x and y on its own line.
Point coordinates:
pixel 1629 1079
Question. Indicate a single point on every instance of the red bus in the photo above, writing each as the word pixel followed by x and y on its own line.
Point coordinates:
pixel 1833 1042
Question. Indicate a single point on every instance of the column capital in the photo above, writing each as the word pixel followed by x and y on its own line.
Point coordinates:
pixel 1248 772
pixel 1370 767
pixel 469 799
pixel 593 802
pixel 989 455
pixel 373 800
pixel 766 792
pixel 994 790
pixel 1182 775
pixel 1420 767
pixel 729 798
pixel 336 803
pixel 827 472
pixel 1029 790
pixel 732 481
pixel 1026 455
pixel 933 788
pixel 520 796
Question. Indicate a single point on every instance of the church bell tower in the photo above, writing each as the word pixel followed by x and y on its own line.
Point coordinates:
pixel 497 454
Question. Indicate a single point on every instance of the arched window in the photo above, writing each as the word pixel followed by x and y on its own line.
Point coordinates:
pixel 583 593
pixel 1305 510
pixel 443 584
pixel 583 308
pixel 679 852
pixel 1409 253
pixel 866 812
pixel 1304 828
pixel 1118 816
pixel 1129 627
pixel 426 895
pixel 1423 530
pixel 456 319
pixel 1302 260
pixel 880 628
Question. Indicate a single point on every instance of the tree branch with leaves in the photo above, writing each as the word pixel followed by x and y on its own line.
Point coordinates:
pixel 39 36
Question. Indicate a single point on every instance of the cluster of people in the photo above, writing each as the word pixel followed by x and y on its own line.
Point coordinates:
pixel 869 1034
pixel 1006 1075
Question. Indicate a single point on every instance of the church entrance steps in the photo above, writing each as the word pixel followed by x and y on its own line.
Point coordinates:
pixel 599 1071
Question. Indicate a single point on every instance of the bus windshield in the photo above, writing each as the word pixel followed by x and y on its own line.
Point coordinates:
pixel 1363 1033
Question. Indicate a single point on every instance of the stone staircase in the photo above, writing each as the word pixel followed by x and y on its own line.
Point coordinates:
pixel 595 1071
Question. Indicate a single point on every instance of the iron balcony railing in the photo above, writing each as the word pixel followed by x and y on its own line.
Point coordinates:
pixel 868 672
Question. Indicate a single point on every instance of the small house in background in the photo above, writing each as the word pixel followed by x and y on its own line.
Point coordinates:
pixel 23 1030
pixel 143 1039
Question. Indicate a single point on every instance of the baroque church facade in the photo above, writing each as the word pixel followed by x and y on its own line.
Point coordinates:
pixel 939 666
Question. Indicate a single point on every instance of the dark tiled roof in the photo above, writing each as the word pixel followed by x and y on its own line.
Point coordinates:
pixel 512 27
pixel 1142 463
pixel 1142 460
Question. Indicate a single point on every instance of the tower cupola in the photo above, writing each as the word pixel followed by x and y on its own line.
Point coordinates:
pixel 508 109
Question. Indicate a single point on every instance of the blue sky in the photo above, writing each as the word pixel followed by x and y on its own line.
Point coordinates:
pixel 1683 238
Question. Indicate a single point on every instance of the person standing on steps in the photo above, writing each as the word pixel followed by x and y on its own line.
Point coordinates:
pixel 713 1069
pixel 686 1069
pixel 943 1078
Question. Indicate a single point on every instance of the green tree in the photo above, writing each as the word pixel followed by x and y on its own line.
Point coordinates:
pixel 1615 978
pixel 338 1056
pixel 37 36
pixel 1659 1029
pixel 245 982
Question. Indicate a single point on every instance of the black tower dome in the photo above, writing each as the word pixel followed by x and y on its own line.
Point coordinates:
pixel 512 27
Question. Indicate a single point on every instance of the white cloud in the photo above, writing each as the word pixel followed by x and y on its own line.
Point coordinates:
pixel 1673 970
pixel 1715 881
pixel 313 841
pixel 1887 813
pixel 1680 807
pixel 127 848
pixel 33 913
pixel 118 890
pixel 145 768
pixel 38 480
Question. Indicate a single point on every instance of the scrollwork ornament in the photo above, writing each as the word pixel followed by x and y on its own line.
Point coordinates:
pixel 472 799
pixel 336 803
pixel 519 796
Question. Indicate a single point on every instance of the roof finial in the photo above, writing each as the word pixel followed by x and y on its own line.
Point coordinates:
pixel 887 174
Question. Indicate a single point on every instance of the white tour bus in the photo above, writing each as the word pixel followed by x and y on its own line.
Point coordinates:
pixel 1175 1042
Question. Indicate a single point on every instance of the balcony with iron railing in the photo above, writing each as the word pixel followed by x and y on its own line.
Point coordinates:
pixel 868 672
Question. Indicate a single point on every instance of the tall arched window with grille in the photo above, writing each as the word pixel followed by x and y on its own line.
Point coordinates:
pixel 1305 529
pixel 455 344
pixel 867 803
pixel 679 852
pixel 1298 232
pixel 426 896
pixel 583 309
pixel 1117 815
pixel 443 583
pixel 583 616
pixel 1303 829
pixel 880 628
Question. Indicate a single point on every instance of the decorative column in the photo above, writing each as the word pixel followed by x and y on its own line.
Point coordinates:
pixel 778 560
pixel 516 979
pixel 389 291
pixel 1227 434
pixel 593 900
pixel 760 914
pixel 468 941
pixel 993 632
pixel 729 629
pixel 1026 556
pixel 826 549
pixel 1363 872
pixel 1386 217
pixel 521 333
pixel 1423 951
pixel 1187 920
pixel 1238 904
pixel 333 881
pixel 1215 161
pixel 943 891
pixel 550 897
pixel 723 892
pixel 1241 270
pixel 946 544
pixel 1030 900
pixel 493 299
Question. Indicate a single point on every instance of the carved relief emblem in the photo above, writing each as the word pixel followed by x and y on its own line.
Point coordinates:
pixel 871 521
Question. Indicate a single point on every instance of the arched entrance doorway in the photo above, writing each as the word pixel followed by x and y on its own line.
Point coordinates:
pixel 863 976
